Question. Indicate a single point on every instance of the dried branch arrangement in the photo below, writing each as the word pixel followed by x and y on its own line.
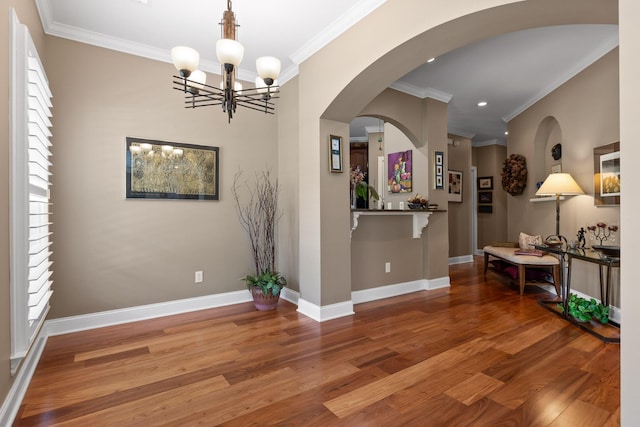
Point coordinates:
pixel 258 215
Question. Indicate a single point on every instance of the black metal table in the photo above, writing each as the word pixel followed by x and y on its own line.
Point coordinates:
pixel 605 264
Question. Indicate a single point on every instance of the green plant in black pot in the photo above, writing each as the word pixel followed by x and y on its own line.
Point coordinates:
pixel 584 310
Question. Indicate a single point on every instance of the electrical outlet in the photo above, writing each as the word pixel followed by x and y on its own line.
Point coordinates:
pixel 199 277
pixel 387 267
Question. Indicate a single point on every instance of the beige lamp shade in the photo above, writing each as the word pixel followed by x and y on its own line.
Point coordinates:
pixel 185 59
pixel 559 184
pixel 229 52
pixel 268 67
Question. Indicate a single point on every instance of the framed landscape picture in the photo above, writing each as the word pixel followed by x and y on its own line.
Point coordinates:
pixel 170 170
pixel 606 175
pixel 485 183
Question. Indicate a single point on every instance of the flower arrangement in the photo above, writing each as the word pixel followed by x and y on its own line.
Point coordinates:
pixel 359 186
pixel 357 176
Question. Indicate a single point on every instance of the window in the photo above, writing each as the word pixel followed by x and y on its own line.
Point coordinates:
pixel 30 220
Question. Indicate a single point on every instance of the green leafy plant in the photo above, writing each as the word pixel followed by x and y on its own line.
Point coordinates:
pixel 586 309
pixel 363 188
pixel 270 282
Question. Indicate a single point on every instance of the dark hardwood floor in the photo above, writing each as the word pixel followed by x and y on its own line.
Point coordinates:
pixel 475 354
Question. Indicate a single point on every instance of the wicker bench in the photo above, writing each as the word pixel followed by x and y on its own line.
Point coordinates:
pixel 522 263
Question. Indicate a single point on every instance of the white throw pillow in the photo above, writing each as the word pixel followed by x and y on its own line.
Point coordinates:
pixel 526 241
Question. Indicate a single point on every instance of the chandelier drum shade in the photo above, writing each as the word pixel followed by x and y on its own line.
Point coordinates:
pixel 230 94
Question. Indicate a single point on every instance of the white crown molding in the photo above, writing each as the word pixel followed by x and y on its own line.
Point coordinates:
pixel 598 52
pixel 489 142
pixel 422 93
pixel 359 139
pixel 337 27
pixel 460 133
pixel 374 129
pixel 138 49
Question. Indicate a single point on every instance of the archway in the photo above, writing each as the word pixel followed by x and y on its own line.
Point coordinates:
pixel 331 96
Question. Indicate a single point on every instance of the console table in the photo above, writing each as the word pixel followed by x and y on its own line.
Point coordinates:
pixel 605 264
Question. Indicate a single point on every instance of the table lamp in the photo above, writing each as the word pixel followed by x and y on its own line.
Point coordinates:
pixel 559 184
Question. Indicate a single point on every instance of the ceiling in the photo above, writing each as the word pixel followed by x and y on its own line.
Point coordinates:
pixel 510 72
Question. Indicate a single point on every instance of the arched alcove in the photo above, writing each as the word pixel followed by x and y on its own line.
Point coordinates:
pixel 548 134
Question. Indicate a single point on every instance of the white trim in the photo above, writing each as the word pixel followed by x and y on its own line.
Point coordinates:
pixel 461 133
pixel 488 142
pixel 429 92
pixel 390 291
pixel 598 52
pixel 442 282
pixel 337 27
pixel 461 259
pixel 13 400
pixel 358 139
pixel 290 295
pixel 325 312
pixel 102 319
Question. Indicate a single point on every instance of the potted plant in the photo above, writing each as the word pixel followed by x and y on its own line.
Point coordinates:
pixel 258 214
pixel 584 310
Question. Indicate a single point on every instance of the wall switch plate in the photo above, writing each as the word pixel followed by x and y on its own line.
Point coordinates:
pixel 387 267
pixel 199 276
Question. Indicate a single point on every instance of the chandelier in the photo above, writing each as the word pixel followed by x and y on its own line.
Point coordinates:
pixel 230 94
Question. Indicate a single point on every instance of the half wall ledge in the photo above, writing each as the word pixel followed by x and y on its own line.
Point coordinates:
pixel 420 217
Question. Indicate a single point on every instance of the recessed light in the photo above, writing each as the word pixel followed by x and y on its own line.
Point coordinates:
pixel 506 133
pixel 482 104
pixel 431 60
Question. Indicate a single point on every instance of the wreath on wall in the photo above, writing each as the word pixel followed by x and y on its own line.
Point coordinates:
pixel 514 174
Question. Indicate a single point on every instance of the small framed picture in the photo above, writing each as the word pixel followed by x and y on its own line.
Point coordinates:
pixel 485 183
pixel 455 186
pixel 438 178
pixel 335 153
pixel 485 197
pixel 485 209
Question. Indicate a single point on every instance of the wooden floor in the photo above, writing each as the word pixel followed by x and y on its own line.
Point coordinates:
pixel 475 354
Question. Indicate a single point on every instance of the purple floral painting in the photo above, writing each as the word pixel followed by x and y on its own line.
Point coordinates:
pixel 399 172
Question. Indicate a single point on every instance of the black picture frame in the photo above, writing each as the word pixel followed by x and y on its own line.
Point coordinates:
pixel 485 197
pixel 606 165
pixel 335 154
pixel 438 168
pixel 171 170
pixel 485 183
pixel 485 208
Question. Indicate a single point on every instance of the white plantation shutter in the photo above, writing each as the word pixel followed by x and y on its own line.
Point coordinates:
pixel 30 213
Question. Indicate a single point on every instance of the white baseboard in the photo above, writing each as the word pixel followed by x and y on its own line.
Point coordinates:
pixel 325 312
pixel 101 319
pixel 443 282
pixel 290 295
pixel 389 291
pixel 461 259
pixel 13 400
